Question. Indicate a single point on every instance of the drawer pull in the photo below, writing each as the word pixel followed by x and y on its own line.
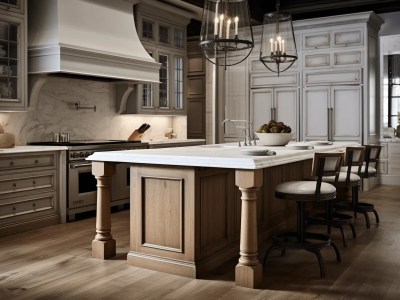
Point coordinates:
pixel 36 161
pixel 14 184
pixel 11 163
pixel 14 209
pixel 34 182
pixel 33 204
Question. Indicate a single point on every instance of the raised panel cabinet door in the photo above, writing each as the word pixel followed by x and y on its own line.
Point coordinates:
pixel 346 113
pixel 286 107
pixel 315 113
pixel 261 106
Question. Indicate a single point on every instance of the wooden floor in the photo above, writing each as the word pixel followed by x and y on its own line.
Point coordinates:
pixel 56 263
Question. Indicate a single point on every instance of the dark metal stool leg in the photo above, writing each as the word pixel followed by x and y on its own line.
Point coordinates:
pixel 376 216
pixel 338 258
pixel 353 230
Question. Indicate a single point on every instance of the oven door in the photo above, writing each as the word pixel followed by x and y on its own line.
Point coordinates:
pixel 82 188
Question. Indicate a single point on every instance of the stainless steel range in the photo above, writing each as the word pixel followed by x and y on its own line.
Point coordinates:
pixel 81 184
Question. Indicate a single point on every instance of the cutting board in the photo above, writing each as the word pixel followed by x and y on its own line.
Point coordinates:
pixel 7 140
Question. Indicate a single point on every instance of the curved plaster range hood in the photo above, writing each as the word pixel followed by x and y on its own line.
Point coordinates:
pixel 92 39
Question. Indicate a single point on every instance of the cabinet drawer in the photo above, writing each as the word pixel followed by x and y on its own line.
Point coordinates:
pixel 24 161
pixel 27 205
pixel 332 77
pixel 341 59
pixel 263 80
pixel 316 41
pixel 347 38
pixel 26 183
pixel 317 60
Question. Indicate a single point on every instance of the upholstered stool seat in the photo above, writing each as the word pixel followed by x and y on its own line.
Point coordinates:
pixel 327 164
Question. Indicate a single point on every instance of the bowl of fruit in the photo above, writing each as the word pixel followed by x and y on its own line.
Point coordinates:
pixel 274 134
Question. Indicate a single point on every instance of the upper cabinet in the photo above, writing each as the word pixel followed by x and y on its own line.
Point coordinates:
pixel 13 71
pixel 162 32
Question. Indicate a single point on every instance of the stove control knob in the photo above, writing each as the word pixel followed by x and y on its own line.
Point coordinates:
pixel 88 153
pixel 75 155
pixel 81 154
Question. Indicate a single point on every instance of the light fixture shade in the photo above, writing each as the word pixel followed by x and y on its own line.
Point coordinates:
pixel 226 37
pixel 278 47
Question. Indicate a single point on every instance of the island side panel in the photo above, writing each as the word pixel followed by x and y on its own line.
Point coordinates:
pixel 162 219
pixel 182 219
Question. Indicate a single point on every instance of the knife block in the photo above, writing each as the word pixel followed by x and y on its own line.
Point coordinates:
pixel 135 136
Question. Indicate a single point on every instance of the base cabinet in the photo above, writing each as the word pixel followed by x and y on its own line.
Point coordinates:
pixel 29 191
pixel 389 164
pixel 187 220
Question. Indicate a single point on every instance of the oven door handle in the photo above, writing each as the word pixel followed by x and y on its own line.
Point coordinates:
pixel 79 165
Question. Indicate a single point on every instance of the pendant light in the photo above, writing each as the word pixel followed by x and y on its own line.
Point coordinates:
pixel 226 37
pixel 278 47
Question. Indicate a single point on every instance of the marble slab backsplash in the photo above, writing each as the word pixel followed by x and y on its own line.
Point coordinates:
pixel 56 113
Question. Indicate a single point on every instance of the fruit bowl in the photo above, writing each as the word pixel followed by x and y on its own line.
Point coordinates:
pixel 273 139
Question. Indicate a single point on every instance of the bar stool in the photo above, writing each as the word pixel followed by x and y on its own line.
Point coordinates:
pixel 366 170
pixel 324 164
pixel 347 179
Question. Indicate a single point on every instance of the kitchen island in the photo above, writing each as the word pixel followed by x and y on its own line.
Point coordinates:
pixel 187 215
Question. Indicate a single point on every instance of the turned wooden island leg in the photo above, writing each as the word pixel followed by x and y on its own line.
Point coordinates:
pixel 248 271
pixel 103 245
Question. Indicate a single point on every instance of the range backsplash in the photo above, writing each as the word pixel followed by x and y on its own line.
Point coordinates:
pixel 56 113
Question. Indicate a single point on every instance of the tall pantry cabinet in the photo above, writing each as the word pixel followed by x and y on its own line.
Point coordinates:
pixel 330 93
pixel 339 63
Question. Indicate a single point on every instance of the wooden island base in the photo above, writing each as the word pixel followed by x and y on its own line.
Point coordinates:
pixel 189 220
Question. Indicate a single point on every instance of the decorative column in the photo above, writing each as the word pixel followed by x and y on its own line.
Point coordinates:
pixel 103 245
pixel 249 271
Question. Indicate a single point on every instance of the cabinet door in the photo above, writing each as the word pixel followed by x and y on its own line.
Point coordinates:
pixel 286 107
pixel 346 113
pixel 261 106
pixel 315 113
pixel 12 63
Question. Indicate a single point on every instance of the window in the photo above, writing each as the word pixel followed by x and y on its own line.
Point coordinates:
pixel 178 38
pixel 147 93
pixel 147 29
pixel 164 34
pixel 392 96
pixel 163 92
pixel 178 71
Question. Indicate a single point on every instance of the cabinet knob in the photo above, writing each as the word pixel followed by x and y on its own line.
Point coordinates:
pixel 11 163
pixel 36 161
pixel 34 181
pixel 33 204
pixel 14 184
pixel 14 209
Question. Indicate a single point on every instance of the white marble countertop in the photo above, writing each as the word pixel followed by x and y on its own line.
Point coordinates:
pixel 216 156
pixel 390 140
pixel 26 149
pixel 174 141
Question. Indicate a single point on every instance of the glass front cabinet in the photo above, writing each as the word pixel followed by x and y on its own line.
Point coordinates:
pixel 13 71
pixel 164 37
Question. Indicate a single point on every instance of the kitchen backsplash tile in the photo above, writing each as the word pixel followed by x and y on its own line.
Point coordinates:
pixel 56 113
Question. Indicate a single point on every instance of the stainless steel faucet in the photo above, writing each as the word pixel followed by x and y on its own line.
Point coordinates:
pixel 248 139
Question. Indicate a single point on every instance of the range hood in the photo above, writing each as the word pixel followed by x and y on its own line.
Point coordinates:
pixel 96 39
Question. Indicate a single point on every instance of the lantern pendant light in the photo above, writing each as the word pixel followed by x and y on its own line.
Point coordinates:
pixel 278 47
pixel 226 37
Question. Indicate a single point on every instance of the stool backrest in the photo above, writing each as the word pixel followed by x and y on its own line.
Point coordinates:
pixel 326 164
pixel 354 158
pixel 372 153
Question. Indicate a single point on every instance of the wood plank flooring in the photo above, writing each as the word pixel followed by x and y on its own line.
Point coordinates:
pixel 55 263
